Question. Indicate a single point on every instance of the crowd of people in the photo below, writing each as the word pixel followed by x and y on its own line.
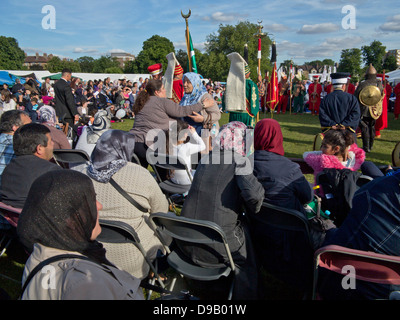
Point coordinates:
pixel 241 165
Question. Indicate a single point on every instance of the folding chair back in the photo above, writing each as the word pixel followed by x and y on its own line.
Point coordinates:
pixel 369 266
pixel 65 157
pixel 11 215
pixel 284 244
pixel 284 219
pixel 121 232
pixel 196 232
pixel 304 166
pixel 168 187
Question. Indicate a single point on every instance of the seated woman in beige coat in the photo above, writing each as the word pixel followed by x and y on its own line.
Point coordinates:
pixel 111 158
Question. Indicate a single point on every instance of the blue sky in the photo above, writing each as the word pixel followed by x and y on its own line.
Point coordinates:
pixel 304 30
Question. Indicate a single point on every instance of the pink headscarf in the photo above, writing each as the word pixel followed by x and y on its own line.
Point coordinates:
pixel 232 136
pixel 268 136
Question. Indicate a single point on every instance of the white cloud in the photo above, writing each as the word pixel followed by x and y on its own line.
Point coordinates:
pixel 393 24
pixel 318 28
pixel 276 27
pixel 219 16
pixel 87 50
pixel 182 45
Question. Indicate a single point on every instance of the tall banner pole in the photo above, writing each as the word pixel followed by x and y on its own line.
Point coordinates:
pixel 187 36
pixel 259 36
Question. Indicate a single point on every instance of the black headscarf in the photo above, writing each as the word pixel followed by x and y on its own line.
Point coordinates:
pixel 60 212
pixel 113 150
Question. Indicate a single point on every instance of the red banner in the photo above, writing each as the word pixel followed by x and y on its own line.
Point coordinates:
pixel 273 94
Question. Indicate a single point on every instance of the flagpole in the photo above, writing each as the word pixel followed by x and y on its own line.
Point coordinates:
pixel 259 35
pixel 187 35
pixel 290 88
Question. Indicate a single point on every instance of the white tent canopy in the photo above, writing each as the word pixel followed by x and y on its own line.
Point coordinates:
pixel 394 76
pixel 84 76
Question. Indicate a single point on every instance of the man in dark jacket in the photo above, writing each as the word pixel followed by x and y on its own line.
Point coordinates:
pixel 65 106
pixel 34 148
pixel 339 108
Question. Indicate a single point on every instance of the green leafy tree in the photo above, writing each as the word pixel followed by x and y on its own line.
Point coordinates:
pixel 182 57
pixel 230 39
pixel 55 64
pixel 155 50
pixel 328 62
pixel 113 70
pixel 101 64
pixel 11 55
pixel 86 63
pixel 130 67
pixel 375 54
pixel 390 64
pixel 350 61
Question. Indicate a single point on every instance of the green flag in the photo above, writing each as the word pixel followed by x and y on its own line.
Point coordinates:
pixel 191 56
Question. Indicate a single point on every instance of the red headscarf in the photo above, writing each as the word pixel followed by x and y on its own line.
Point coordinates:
pixel 268 136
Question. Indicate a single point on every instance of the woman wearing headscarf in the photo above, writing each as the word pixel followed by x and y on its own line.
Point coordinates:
pixel 153 114
pixel 282 179
pixel 284 186
pixel 90 134
pixel 47 117
pixel 111 158
pixel 194 92
pixel 223 187
pixel 60 217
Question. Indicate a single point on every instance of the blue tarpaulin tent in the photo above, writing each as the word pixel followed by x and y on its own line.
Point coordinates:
pixel 6 77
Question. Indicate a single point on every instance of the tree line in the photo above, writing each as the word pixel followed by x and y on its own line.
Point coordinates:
pixel 213 63
pixel 356 61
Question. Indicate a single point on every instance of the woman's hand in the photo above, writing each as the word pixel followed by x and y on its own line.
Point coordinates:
pixel 208 103
pixel 196 117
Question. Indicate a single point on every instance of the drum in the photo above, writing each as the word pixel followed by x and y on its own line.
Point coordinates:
pixel 396 155
pixel 318 141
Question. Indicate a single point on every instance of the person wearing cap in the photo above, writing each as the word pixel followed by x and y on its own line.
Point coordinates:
pixel 283 89
pixel 156 71
pixel 367 122
pixel 177 84
pixel 314 92
pixel 339 109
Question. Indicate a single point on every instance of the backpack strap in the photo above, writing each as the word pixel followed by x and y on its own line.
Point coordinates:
pixel 46 262
pixel 143 284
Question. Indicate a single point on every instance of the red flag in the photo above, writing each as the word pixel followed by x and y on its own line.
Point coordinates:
pixel 272 95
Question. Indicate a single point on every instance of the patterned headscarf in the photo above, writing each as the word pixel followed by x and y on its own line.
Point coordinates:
pixel 232 136
pixel 198 89
pixel 101 123
pixel 114 149
pixel 47 114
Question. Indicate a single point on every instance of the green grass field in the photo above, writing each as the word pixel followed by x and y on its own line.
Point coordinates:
pixel 298 133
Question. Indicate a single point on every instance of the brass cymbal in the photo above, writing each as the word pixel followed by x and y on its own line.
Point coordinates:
pixel 370 96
